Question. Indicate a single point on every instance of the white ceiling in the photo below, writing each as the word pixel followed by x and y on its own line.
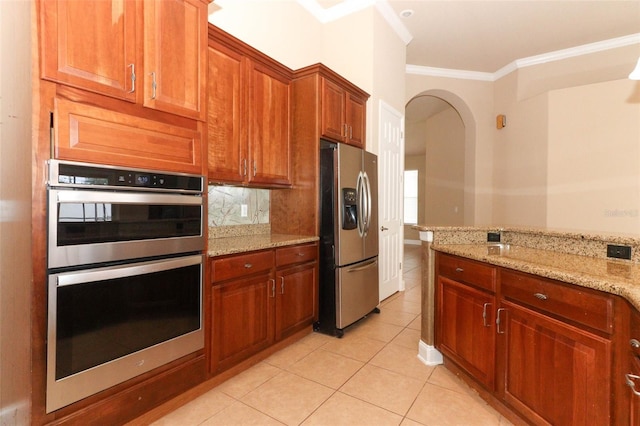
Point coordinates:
pixel 484 38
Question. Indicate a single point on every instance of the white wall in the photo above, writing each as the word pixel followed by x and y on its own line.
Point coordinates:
pixel 15 211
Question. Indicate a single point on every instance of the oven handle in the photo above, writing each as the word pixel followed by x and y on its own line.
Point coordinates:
pixel 71 196
pixel 112 272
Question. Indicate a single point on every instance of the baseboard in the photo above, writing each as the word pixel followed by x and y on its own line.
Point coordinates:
pixel 412 242
pixel 428 354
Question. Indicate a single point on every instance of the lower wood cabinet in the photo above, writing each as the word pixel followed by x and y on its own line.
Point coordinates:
pixel 543 348
pixel 259 298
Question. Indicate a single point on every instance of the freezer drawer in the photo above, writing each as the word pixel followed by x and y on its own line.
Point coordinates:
pixel 356 291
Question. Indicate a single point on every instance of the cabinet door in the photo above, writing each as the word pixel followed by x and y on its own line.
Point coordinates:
pixel 465 330
pixel 90 45
pixel 226 145
pixel 175 56
pixel 268 127
pixel 632 379
pixel 297 299
pixel 356 113
pixel 333 114
pixel 554 373
pixel 242 313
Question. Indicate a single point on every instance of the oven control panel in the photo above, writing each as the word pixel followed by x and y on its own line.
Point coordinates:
pixel 84 175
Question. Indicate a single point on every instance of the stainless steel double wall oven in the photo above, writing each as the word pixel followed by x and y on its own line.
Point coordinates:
pixel 125 273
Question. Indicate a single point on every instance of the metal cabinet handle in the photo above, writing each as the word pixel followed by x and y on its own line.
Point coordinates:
pixel 484 315
pixel 248 265
pixel 154 85
pixel 498 321
pixel 133 78
pixel 350 132
pixel 300 254
pixel 273 287
pixel 281 285
pixel 244 167
pixel 541 296
pixel 255 168
pixel 634 343
pixel 459 269
pixel 345 129
pixel 629 378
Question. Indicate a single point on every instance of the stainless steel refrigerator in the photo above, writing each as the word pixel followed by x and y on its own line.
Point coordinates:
pixel 348 236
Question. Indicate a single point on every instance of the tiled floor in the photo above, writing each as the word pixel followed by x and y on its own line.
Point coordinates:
pixel 371 376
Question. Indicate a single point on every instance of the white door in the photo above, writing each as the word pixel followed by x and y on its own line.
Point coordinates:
pixel 391 200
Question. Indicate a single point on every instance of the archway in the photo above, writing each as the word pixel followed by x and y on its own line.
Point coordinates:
pixel 442 123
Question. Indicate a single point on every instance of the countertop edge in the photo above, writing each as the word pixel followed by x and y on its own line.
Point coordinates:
pixel 247 243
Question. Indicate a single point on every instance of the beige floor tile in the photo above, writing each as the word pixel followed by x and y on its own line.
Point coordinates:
pixel 416 324
pixel 402 360
pixel 409 422
pixel 389 316
pixel 438 406
pixel 377 330
pixel 241 414
pixel 404 306
pixel 248 380
pixel 316 339
pixel 288 398
pixel 345 410
pixel 327 368
pixel 413 295
pixel 384 388
pixel 444 378
pixel 288 356
pixel 198 410
pixel 360 348
pixel 409 338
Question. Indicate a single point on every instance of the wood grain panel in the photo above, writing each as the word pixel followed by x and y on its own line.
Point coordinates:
pixel 96 135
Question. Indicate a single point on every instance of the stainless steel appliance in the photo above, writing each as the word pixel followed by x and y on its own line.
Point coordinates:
pixel 125 274
pixel 348 236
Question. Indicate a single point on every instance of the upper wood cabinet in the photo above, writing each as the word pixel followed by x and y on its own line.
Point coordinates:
pixel 150 52
pixel 249 115
pixel 343 114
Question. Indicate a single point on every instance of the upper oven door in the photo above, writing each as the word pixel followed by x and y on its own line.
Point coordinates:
pixel 88 226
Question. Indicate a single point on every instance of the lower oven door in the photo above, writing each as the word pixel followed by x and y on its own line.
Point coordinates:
pixel 109 324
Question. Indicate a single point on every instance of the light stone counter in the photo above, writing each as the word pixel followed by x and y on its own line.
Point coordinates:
pixel 239 244
pixel 572 257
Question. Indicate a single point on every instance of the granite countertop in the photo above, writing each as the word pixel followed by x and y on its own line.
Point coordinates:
pixel 612 276
pixel 238 244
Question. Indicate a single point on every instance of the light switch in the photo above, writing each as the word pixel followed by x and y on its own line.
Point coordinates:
pixel 243 210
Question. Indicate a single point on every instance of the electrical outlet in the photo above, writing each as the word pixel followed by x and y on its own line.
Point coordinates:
pixel 243 210
pixel 619 252
pixel 493 237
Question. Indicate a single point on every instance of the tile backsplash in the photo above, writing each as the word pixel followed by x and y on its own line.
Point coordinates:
pixel 226 206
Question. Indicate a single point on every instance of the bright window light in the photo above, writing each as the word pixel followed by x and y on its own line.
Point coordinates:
pixel 410 197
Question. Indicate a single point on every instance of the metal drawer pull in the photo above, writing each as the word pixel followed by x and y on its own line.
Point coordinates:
pixel 273 287
pixel 540 296
pixel 248 265
pixel 300 254
pixel 154 85
pixel 133 78
pixel 634 343
pixel 630 382
pixel 498 321
pixel 484 314
pixel 459 270
pixel 281 285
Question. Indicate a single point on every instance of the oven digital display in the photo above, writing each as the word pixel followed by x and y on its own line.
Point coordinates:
pixel 142 180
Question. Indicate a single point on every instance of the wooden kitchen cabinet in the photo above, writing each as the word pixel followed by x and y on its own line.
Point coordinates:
pixel 297 278
pixel 249 115
pixel 343 114
pixel 554 373
pixel 242 307
pixel 465 307
pixel 631 371
pixel 549 353
pixel 151 52
pixel 259 298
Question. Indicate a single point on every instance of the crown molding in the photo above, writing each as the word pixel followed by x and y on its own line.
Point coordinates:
pixel 557 55
pixel 394 21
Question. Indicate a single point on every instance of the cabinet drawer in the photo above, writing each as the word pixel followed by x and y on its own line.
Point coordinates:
pixel 571 302
pixel 467 271
pixel 296 254
pixel 240 265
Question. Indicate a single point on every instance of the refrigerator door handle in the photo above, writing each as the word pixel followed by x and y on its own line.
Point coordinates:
pixel 361 206
pixel 365 266
pixel 367 185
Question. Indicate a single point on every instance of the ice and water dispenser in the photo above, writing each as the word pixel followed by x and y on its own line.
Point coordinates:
pixel 349 208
